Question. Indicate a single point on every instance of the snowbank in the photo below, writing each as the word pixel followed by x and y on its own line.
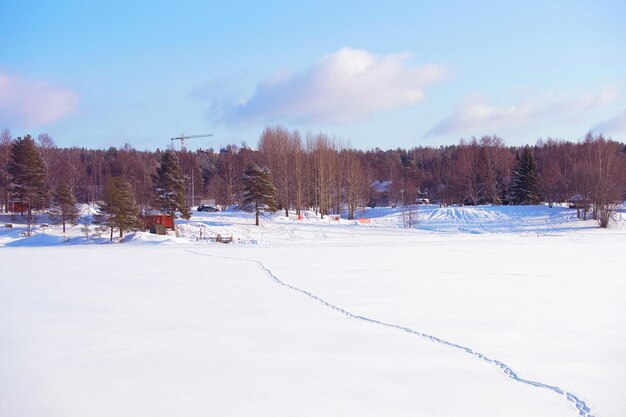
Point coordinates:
pixel 276 228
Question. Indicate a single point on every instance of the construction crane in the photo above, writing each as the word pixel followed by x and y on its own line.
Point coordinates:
pixel 182 139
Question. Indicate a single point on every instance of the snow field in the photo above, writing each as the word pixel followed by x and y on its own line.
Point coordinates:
pixel 166 326
pixel 554 315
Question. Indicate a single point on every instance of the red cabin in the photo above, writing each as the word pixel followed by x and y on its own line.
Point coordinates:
pixel 17 207
pixel 164 219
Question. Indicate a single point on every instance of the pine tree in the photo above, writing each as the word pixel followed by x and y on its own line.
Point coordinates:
pixel 5 155
pixel 119 209
pixel 169 187
pixel 259 193
pixel 28 174
pixel 64 205
pixel 525 180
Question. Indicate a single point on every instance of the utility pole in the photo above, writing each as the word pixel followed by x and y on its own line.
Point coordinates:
pixel 182 139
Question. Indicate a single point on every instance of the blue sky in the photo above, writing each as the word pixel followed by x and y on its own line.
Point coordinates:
pixel 377 74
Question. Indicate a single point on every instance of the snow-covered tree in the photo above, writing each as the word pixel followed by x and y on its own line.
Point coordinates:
pixel 525 180
pixel 169 187
pixel 259 193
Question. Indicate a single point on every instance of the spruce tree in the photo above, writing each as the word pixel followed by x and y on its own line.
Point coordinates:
pixel 64 205
pixel 119 209
pixel 169 187
pixel 259 193
pixel 28 174
pixel 516 192
pixel 525 180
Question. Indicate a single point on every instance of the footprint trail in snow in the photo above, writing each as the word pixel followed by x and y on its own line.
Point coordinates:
pixel 583 409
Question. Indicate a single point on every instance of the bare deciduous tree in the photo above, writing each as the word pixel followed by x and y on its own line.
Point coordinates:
pixel 605 166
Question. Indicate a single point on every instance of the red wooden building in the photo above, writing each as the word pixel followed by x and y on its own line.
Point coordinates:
pixel 17 207
pixel 164 219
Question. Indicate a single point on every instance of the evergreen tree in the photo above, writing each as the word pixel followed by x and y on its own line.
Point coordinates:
pixel 259 193
pixel 28 174
pixel 169 187
pixel 119 209
pixel 5 155
pixel 64 205
pixel 525 180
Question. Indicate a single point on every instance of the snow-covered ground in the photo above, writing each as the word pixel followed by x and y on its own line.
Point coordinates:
pixel 478 311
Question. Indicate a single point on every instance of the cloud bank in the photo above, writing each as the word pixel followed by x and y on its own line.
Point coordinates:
pixel 475 115
pixel 613 126
pixel 32 103
pixel 344 87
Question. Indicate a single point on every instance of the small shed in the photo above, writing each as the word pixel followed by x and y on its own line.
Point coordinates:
pixel 17 207
pixel 578 202
pixel 164 219
pixel 157 229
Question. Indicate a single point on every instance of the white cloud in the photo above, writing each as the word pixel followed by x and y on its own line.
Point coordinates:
pixel 346 86
pixel 612 126
pixel 32 103
pixel 476 116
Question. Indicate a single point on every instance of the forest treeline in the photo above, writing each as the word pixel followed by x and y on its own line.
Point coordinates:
pixel 320 172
